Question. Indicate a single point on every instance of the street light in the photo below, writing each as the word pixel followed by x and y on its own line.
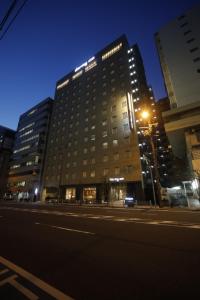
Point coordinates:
pixel 145 115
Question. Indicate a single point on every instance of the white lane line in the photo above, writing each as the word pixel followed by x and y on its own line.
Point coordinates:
pixel 12 281
pixel 4 271
pixel 114 219
pixel 66 229
pixel 50 290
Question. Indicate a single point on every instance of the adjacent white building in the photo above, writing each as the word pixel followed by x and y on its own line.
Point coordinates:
pixel 178 45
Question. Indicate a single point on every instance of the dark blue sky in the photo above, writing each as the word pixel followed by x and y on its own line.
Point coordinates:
pixel 51 37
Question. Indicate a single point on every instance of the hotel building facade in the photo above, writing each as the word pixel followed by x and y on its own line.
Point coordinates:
pixel 93 152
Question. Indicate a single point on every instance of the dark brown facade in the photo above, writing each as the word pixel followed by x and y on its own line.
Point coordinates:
pixel 93 152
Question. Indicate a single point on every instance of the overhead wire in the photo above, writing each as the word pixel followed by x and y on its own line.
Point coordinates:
pixel 13 19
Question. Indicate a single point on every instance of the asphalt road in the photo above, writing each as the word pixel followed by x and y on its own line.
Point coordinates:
pixel 98 253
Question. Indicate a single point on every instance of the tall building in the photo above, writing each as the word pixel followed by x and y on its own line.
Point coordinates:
pixel 178 45
pixel 164 152
pixel 7 137
pixel 26 167
pixel 93 152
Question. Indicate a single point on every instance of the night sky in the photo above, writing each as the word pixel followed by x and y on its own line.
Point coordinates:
pixel 49 38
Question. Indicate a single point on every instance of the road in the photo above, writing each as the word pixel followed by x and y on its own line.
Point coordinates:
pixel 54 252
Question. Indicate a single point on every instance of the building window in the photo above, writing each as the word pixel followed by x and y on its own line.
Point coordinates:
pixel 190 40
pixel 104 123
pixel 194 49
pixel 124 104
pixel 187 32
pixel 92 174
pixel 105 158
pixel 114 130
pixel 84 174
pixel 70 193
pixel 92 149
pixel 113 108
pixel 92 127
pixel 104 134
pixel 111 52
pixel 125 115
pixel 117 171
pixel 105 145
pixel 129 169
pixel 85 139
pixel 85 150
pixel 115 143
pixel 85 162
pixel 92 137
pixel 116 156
pixel 128 154
pixel 93 161
pixel 114 118
pixel 184 24
pixel 105 172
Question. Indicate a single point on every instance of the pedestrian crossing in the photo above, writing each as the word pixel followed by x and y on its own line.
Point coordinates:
pixel 145 221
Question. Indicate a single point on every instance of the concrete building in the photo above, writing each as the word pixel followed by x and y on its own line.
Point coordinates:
pixel 93 152
pixel 178 45
pixel 26 167
pixel 7 137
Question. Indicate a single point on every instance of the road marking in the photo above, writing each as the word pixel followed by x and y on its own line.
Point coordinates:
pixel 109 218
pixel 33 279
pixel 66 229
pixel 12 281
pixel 4 271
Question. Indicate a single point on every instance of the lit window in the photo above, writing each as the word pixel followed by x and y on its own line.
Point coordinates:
pixel 85 150
pixel 92 137
pixel 115 142
pixel 104 123
pixel 77 74
pixel 86 139
pixel 111 52
pixel 62 84
pixel 105 145
pixel 92 174
pixel 74 164
pixel 92 127
pixel 104 134
pixel 90 66
pixel 84 174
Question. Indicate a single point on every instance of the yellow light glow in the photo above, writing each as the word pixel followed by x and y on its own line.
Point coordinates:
pixel 145 114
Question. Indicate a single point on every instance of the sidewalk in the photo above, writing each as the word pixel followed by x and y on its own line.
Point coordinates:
pixel 103 205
